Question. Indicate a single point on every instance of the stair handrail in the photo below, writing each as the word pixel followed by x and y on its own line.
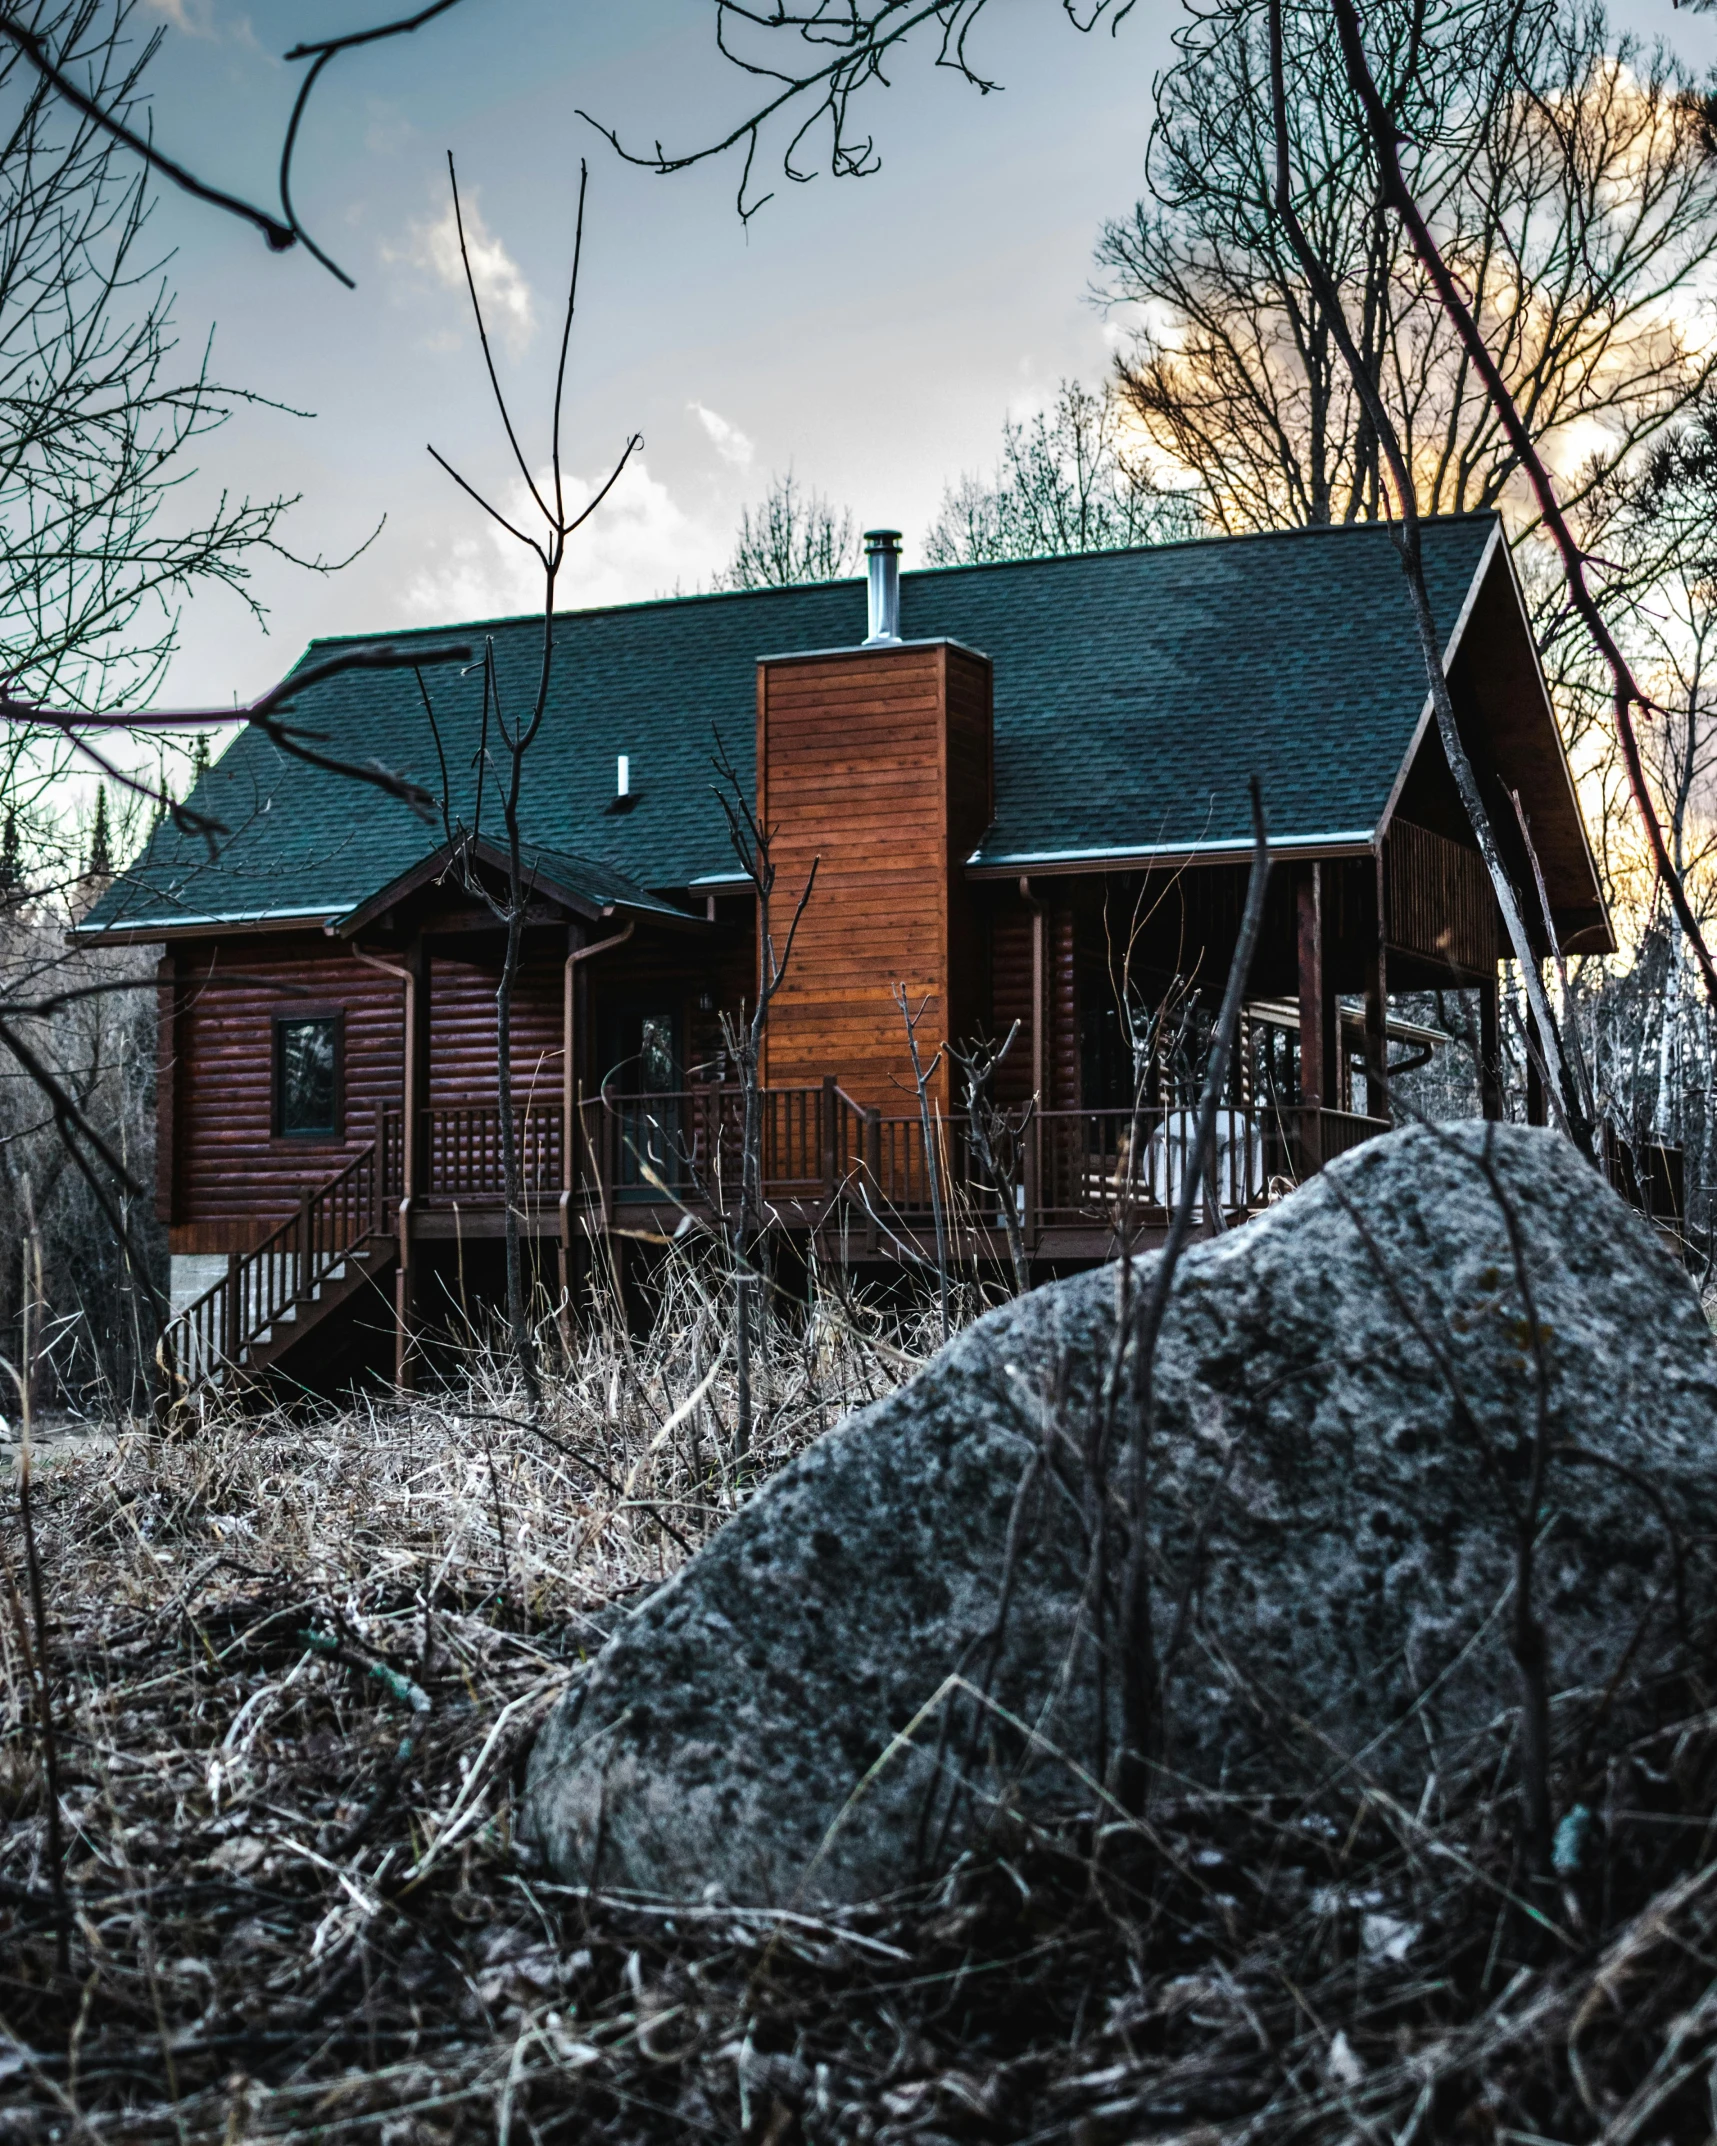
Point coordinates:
pixel 216 1328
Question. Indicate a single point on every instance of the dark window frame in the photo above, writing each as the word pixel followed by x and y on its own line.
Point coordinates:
pixel 289 1016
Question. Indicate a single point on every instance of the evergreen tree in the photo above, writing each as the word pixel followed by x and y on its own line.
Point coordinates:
pixel 99 864
pixel 11 859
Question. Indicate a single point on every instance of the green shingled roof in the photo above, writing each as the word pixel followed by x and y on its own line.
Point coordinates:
pixel 1135 692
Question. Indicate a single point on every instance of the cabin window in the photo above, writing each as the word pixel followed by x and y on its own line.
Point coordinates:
pixel 307 1076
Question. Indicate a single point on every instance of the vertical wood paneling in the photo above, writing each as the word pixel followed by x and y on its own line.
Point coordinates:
pixel 970 807
pixel 875 763
pixel 1439 899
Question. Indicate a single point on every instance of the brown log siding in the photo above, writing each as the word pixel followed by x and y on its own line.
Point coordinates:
pixel 231 1177
pixel 462 1030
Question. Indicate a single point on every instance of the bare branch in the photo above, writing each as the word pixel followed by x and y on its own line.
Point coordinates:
pixel 280 236
pixel 1627 693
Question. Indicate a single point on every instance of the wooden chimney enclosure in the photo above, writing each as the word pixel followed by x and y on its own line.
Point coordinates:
pixel 877 764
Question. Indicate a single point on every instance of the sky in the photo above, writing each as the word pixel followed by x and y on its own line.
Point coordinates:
pixel 870 334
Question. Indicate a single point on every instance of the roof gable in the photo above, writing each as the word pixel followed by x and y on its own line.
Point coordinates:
pixel 1135 692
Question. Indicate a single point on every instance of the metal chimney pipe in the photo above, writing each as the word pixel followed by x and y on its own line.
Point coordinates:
pixel 882 571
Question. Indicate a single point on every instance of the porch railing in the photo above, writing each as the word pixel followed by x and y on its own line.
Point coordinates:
pixel 1061 1168
pixel 459 1156
pixel 816 1144
pixel 688 1142
pixel 294 1259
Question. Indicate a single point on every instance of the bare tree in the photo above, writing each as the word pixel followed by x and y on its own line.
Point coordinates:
pixel 100 424
pixel 99 417
pixel 1566 169
pixel 1564 1085
pixel 1633 176
pixel 793 536
pixel 997 1140
pixel 928 1132
pixel 38 37
pixel 1068 480
pixel 1648 531
pixel 551 518
pixel 745 1216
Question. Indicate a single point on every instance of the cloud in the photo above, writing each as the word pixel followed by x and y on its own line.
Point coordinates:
pixel 729 442
pixel 387 130
pixel 196 18
pixel 501 287
pixel 639 543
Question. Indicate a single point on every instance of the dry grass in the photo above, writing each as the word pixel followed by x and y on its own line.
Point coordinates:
pixel 296 1668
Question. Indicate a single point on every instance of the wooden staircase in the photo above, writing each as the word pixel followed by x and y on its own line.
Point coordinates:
pixel 270 1299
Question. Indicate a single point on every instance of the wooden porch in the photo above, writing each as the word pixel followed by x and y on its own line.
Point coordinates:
pixel 660 1166
pixel 1078 1181
pixel 855 1181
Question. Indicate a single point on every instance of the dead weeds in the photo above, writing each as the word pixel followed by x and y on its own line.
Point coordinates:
pixel 296 1667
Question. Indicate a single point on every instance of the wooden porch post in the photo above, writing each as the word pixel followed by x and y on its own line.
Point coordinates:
pixel 569 1123
pixel 413 1160
pixel 1033 1158
pixel 1314 1073
pixel 873 1164
pixel 1377 1003
pixel 1490 1049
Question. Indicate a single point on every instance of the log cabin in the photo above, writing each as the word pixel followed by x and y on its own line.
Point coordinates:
pixel 1024 790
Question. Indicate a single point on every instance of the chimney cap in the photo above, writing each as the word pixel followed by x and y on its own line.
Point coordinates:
pixel 882 540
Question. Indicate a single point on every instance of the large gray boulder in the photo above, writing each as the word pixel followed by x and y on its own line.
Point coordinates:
pixel 832 1697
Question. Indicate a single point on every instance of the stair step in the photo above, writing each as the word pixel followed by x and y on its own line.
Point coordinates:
pixel 325 1294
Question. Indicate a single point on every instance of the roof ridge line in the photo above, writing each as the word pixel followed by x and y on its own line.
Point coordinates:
pixel 1300 533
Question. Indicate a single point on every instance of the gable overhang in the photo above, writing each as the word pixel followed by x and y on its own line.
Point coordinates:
pixel 1508 726
pixel 590 900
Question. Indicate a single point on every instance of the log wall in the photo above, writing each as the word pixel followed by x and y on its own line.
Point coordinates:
pixel 462 1029
pixel 222 1177
pixel 225 1178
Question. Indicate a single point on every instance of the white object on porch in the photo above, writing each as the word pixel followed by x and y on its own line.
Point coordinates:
pixel 1239 1159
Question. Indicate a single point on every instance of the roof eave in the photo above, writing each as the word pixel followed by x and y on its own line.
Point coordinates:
pixel 1347 842
pixel 1575 933
pixel 156 930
